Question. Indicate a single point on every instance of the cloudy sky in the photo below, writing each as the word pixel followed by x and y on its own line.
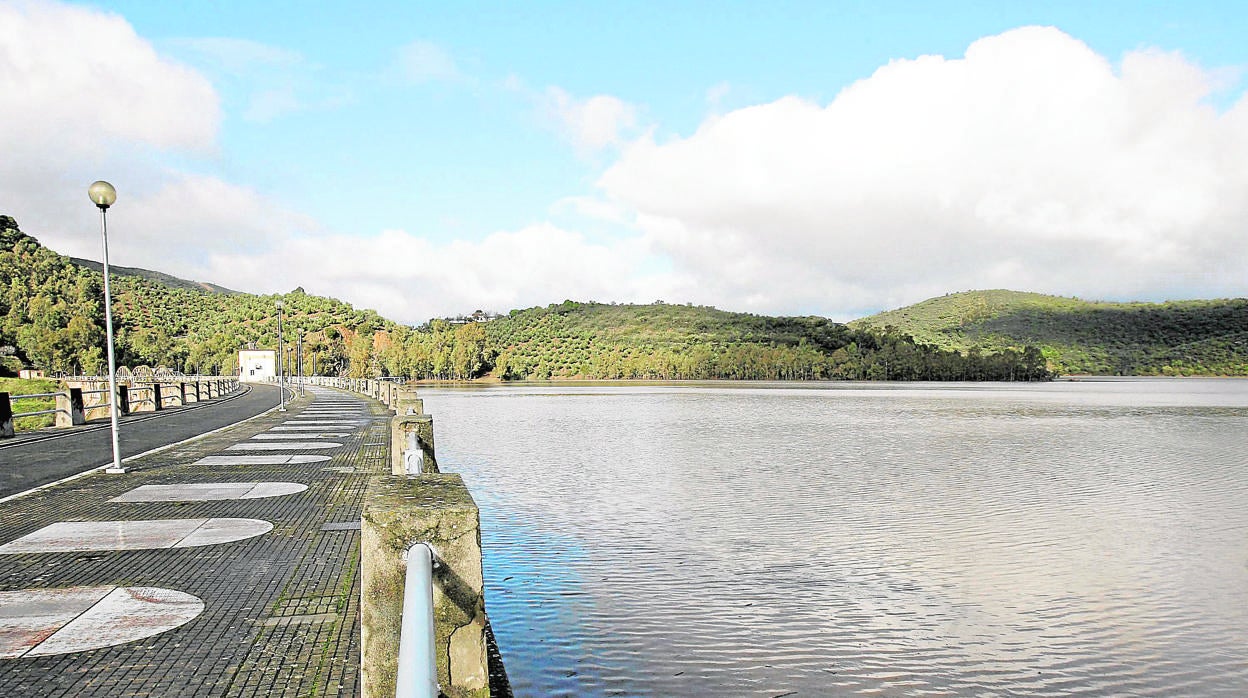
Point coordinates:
pixel 830 158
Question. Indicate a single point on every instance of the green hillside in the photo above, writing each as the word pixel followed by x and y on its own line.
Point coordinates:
pixel 156 276
pixel 662 341
pixel 1201 337
pixel 52 318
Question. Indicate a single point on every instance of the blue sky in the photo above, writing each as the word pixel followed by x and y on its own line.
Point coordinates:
pixel 435 158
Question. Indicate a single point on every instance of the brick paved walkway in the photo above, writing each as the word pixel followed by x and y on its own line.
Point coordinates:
pixel 280 611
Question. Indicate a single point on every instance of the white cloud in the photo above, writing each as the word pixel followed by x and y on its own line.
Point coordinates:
pixel 238 56
pixel 262 82
pixel 75 79
pixel 590 124
pixel 422 61
pixel 716 94
pixel 1030 163
pixel 87 98
pixel 411 279
pixel 592 208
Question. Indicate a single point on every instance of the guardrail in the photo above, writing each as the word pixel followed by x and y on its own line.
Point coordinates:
pixel 417 675
pixel 72 407
pixel 422 590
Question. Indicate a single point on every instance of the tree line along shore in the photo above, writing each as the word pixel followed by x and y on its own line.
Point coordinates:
pixel 51 318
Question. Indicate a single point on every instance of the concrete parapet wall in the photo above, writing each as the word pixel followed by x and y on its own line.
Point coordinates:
pixel 85 398
pixel 145 397
pixel 397 513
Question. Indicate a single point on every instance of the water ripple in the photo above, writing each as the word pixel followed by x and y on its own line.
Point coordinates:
pixel 1076 539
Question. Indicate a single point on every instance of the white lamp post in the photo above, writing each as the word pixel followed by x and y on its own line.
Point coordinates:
pixel 281 373
pixel 104 195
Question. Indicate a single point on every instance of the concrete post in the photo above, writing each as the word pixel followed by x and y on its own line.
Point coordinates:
pixel 397 513
pixel 70 410
pixel 408 403
pixel 182 394
pixel 6 416
pixel 411 436
pixel 122 399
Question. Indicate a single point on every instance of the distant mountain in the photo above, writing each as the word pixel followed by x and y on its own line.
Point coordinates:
pixel 156 276
pixel 1199 337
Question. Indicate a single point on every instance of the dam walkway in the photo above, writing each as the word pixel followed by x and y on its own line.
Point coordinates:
pixel 224 566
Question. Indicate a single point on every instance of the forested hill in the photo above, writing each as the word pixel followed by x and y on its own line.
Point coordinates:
pixel 1202 337
pixel 52 317
pixel 594 340
pixel 158 277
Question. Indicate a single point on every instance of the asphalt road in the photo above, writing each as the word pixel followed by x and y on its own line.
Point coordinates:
pixel 36 458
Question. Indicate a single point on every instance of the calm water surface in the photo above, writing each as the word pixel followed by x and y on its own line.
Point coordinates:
pixel 766 540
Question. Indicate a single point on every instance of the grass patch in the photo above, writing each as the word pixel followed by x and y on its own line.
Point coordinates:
pixel 31 386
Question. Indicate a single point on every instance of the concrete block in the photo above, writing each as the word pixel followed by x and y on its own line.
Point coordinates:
pixel 398 512
pixel 70 410
pixel 408 403
pixel 6 416
pixel 408 432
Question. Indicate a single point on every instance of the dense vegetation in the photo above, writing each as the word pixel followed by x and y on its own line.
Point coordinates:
pixel 661 341
pixel 1202 337
pixel 53 319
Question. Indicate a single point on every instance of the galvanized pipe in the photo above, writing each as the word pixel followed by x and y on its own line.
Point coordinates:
pixel 418 667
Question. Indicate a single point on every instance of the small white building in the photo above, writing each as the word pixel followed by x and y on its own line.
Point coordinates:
pixel 257 365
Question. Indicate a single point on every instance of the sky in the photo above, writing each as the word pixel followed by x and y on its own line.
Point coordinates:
pixel 427 159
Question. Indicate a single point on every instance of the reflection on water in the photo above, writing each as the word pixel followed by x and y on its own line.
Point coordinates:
pixel 1067 538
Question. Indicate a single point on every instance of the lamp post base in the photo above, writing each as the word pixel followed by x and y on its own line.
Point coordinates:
pixel 115 471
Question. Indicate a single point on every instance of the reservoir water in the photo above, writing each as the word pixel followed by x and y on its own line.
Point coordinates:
pixel 738 539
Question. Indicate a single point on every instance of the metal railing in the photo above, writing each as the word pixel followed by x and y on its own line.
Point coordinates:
pixel 33 396
pixel 71 408
pixel 418 668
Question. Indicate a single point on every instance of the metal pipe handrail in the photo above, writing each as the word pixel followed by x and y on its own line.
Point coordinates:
pixel 418 667
pixel 228 385
pixel 35 414
pixel 15 398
